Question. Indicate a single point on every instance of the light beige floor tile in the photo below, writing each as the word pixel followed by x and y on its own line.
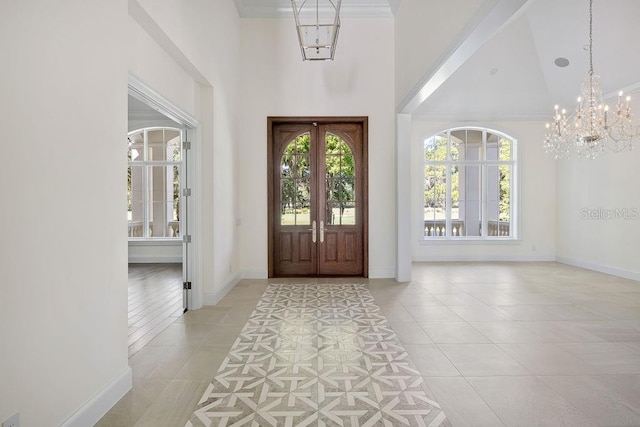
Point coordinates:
pixel 396 313
pixel 174 334
pixel 440 288
pixel 134 404
pixel 608 358
pixel 614 312
pixel 453 333
pixel 222 335
pixel 203 363
pixel 458 299
pixel 422 299
pixel 505 332
pixel 206 314
pixel 174 405
pixel 602 403
pixel 159 361
pixel 558 331
pixel 410 333
pixel 635 346
pixel 527 401
pixel 612 330
pixel 627 386
pixel 547 359
pixel 432 314
pixel 431 361
pixel 461 403
pixel 481 360
pixel 478 313
pixel 238 316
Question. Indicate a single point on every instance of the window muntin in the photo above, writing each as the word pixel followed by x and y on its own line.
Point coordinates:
pixel 469 185
pixel 154 183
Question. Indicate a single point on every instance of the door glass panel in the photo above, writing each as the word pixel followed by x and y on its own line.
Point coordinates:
pixel 339 181
pixel 295 188
pixel 135 147
pixel 135 196
pixel 162 182
pixel 164 145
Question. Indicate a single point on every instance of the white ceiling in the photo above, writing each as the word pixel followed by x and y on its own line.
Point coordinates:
pixel 513 75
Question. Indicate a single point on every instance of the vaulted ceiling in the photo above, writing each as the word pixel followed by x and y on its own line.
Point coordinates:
pixel 513 74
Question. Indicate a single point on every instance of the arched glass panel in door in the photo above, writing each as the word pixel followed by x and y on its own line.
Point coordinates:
pixel 340 182
pixel 295 182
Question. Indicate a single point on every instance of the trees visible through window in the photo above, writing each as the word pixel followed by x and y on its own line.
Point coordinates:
pixel 153 183
pixel 469 184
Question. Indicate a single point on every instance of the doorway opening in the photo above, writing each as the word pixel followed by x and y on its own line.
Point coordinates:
pixel 160 214
pixel 317 191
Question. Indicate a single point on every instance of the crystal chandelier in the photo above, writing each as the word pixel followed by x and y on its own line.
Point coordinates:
pixel 592 129
pixel 318 24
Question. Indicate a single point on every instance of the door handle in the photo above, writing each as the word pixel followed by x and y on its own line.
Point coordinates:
pixel 321 231
pixel 313 231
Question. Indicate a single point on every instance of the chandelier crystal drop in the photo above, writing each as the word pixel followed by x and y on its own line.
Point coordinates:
pixel 318 25
pixel 593 128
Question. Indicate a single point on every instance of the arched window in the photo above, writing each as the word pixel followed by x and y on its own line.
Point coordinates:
pixel 470 185
pixel 153 183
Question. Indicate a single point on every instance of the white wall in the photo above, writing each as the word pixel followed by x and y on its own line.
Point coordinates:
pixel 203 37
pixel 421 26
pixel 63 252
pixel 537 198
pixel 276 82
pixel 599 212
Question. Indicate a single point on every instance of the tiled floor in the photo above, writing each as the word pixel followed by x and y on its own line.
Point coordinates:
pixel 496 343
pixel 317 354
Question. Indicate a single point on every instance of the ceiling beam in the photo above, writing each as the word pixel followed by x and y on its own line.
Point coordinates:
pixel 494 15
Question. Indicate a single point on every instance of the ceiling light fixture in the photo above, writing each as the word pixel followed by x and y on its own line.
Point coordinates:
pixel 592 129
pixel 318 24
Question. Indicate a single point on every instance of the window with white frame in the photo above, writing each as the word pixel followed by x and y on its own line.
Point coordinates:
pixel 153 183
pixel 470 185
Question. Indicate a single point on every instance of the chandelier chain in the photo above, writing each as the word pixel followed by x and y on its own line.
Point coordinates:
pixel 590 37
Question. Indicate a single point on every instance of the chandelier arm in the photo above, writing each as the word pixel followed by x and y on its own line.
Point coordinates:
pixel 590 131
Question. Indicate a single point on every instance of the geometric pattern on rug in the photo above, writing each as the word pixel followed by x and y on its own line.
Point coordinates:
pixel 317 355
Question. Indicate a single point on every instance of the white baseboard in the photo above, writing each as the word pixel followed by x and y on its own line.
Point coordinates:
pixel 627 274
pixel 214 298
pixel 155 260
pixel 484 258
pixel 100 404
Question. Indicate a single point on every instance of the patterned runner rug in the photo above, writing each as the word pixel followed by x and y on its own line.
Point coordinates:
pixel 317 355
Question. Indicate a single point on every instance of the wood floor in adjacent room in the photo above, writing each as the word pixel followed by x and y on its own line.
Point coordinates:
pixel 497 344
pixel 155 301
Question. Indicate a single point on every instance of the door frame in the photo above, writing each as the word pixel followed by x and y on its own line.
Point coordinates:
pixel 271 194
pixel 191 259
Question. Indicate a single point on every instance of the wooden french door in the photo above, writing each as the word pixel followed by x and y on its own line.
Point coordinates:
pixel 317 196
